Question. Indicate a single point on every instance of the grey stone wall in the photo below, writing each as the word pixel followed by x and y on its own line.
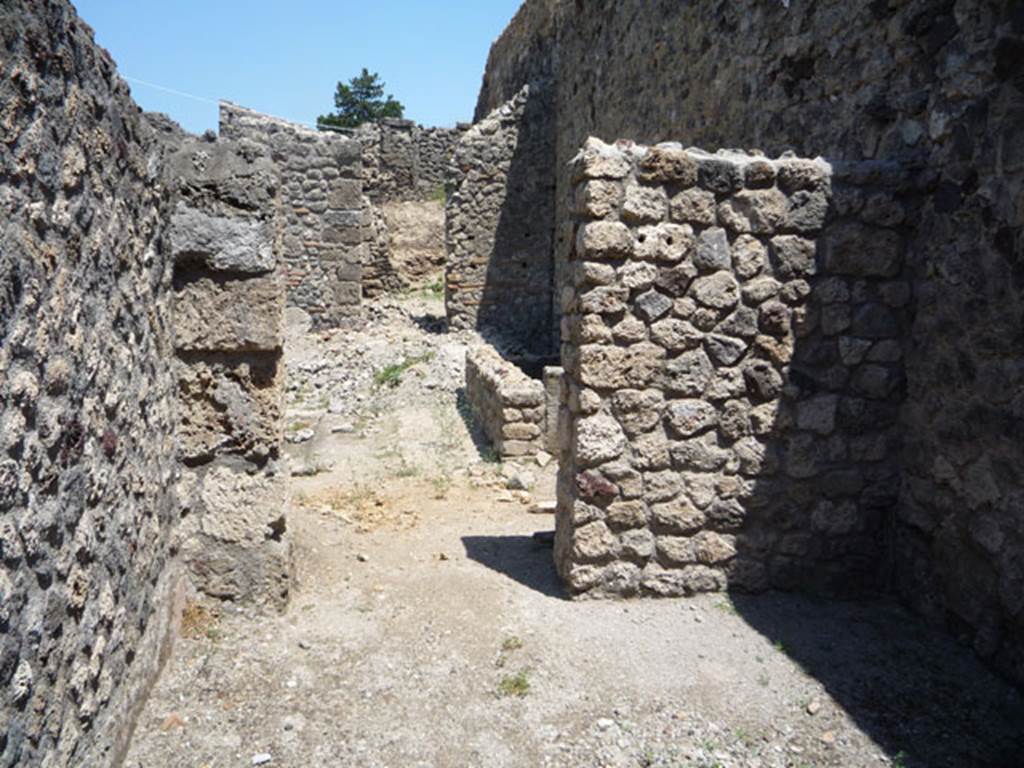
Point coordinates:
pixel 733 356
pixel 933 87
pixel 499 269
pixel 404 166
pixel 507 404
pixel 228 323
pixel 403 160
pixel 327 223
pixel 87 398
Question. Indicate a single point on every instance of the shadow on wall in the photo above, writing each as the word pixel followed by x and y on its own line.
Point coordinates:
pixel 517 294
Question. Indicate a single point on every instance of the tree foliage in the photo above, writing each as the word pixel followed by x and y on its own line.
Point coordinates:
pixel 361 101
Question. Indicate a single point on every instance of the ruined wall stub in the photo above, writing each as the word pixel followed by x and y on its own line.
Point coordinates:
pixel 499 268
pixel 509 406
pixel 87 397
pixel 326 219
pixel 733 357
pixel 228 320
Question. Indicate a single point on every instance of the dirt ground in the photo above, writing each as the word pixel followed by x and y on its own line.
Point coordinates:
pixel 427 626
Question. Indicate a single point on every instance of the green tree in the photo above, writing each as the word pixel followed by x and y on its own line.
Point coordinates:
pixel 361 101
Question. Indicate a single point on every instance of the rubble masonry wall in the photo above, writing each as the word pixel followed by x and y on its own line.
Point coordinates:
pixel 733 354
pixel 930 88
pixel 508 404
pixel 326 220
pixel 498 220
pixel 87 397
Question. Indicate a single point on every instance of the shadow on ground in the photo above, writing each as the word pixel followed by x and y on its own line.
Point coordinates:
pixel 924 699
pixel 521 558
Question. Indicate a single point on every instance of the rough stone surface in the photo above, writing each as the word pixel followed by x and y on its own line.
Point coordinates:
pixel 228 335
pixel 511 407
pixel 934 110
pixel 324 221
pixel 499 221
pixel 403 175
pixel 87 396
pixel 730 412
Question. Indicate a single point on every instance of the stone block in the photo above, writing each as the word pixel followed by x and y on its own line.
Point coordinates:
pixel 221 243
pixel 229 315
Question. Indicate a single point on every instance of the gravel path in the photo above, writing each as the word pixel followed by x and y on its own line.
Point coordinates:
pixel 427 627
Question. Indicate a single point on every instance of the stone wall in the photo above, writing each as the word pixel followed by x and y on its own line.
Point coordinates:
pixel 327 223
pixel 404 167
pixel 403 160
pixel 734 369
pixel 228 323
pixel 507 404
pixel 933 87
pixel 87 398
pixel 499 269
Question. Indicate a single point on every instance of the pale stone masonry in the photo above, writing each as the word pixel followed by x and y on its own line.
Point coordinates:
pixel 508 404
pixel 326 221
pixel 229 303
pixel 733 358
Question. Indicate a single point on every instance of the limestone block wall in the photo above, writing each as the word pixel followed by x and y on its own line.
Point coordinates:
pixel 326 222
pixel 733 359
pixel 509 405
pixel 499 268
pixel 228 326
pixel 87 399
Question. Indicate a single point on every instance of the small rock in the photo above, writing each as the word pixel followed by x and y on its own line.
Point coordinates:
pixel 362 558
pixel 828 737
pixel 543 458
pixel 302 436
pixel 604 723
pixel 521 481
pixel 261 759
pixel 813 707
pixel 344 428
pixel 543 508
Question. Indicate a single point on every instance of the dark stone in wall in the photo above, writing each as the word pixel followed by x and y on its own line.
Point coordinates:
pixel 87 395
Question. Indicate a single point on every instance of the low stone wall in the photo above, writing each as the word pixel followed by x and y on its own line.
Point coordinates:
pixel 508 404
pixel 228 322
pixel 499 270
pixel 734 371
pixel 326 222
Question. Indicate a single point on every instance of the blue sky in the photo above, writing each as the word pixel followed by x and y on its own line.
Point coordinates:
pixel 284 57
